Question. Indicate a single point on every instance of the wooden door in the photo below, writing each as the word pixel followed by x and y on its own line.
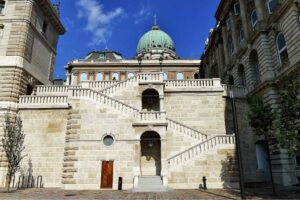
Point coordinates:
pixel 107 174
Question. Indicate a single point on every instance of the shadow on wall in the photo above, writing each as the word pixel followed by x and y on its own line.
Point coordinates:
pixel 229 172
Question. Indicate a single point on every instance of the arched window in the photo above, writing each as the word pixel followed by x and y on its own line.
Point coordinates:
pixel 2 6
pixel 242 35
pixel 230 80
pixel 115 76
pixel 130 75
pixel 1 31
pixel 196 76
pixel 272 5
pixel 99 76
pixel 282 50
pixel 230 46
pixel 150 100
pixel 253 19
pixel 254 65
pixel 165 76
pixel 83 76
pixel 242 76
pixel 179 76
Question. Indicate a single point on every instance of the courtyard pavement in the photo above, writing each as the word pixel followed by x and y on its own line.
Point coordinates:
pixel 41 194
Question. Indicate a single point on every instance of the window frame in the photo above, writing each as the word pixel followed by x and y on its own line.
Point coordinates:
pixel 252 22
pixel 44 27
pixel 280 51
pixel 131 75
pixel 242 39
pixel 1 31
pixel 81 74
pixel 112 76
pixel 178 74
pixel 4 7
pixel 228 24
pixel 269 9
pixel 98 73
pixel 237 12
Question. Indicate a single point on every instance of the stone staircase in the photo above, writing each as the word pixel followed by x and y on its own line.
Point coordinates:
pixel 150 184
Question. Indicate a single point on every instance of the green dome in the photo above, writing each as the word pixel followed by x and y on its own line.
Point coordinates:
pixel 155 38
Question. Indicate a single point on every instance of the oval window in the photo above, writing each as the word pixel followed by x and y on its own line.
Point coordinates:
pixel 108 140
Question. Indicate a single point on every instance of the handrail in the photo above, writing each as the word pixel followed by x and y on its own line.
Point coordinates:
pixel 26 99
pixel 238 91
pixel 192 133
pixel 136 78
pixel 201 147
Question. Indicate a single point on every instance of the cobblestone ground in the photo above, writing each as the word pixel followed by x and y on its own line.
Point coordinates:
pixel 42 194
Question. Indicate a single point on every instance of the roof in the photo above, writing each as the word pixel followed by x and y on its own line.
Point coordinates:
pixel 103 56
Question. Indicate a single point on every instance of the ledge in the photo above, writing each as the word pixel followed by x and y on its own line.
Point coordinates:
pixel 43 106
pixel 150 124
pixel 198 89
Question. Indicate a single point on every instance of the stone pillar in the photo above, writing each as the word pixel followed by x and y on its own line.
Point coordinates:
pixel 161 104
pixel 234 31
pixel 245 20
pixel 164 162
pixel 225 44
pixel 261 13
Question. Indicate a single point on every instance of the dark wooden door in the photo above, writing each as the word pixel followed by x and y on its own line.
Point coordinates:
pixel 107 174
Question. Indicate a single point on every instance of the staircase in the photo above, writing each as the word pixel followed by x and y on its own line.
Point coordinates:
pixel 150 184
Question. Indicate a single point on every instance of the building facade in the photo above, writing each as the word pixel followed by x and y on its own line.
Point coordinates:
pixel 29 32
pixel 253 46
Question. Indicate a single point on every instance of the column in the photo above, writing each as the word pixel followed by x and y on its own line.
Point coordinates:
pixel 235 37
pixel 260 12
pixel 161 104
pixel 225 44
pixel 245 20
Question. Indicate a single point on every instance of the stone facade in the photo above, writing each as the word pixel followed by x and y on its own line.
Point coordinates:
pixel 29 32
pixel 254 44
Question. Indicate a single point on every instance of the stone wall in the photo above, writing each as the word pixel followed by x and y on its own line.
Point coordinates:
pixel 201 111
pixel 44 144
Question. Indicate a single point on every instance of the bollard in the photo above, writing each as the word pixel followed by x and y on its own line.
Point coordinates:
pixel 120 182
pixel 204 182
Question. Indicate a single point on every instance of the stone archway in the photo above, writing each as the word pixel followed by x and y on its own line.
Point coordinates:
pixel 150 100
pixel 150 160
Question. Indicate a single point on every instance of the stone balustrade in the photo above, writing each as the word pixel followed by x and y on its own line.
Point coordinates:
pixel 102 98
pixel 238 91
pixel 153 116
pixel 198 149
pixel 186 130
pixel 53 89
pixel 98 84
pixel 141 77
pixel 43 102
pixel 190 83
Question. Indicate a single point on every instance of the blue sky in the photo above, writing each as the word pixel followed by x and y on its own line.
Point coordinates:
pixel 119 24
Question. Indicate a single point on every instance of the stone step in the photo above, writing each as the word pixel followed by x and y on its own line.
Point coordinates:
pixel 150 184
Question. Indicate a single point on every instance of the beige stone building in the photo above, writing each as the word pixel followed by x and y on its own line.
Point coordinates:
pixel 29 32
pixel 253 46
pixel 149 120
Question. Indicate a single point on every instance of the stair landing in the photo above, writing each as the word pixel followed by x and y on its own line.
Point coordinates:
pixel 150 184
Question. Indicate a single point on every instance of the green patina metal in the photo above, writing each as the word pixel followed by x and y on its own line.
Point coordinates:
pixel 155 38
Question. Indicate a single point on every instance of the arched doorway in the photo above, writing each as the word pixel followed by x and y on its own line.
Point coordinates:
pixel 150 100
pixel 150 160
pixel 262 158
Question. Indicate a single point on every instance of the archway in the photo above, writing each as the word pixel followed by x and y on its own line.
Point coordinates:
pixel 150 100
pixel 150 160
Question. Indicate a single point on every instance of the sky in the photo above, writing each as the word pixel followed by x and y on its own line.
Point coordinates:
pixel 119 24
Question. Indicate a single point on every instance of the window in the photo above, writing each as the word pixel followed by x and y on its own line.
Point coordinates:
pixel 83 76
pixel 179 76
pixel 1 30
pixel 254 64
pixel 298 161
pixel 253 19
pixel 165 76
pixel 2 6
pixel 130 75
pixel 230 47
pixel 115 76
pixel 242 76
pixel 237 9
pixel 99 77
pixel 272 5
pixel 108 140
pixel 228 24
pixel 282 50
pixel 44 29
pixel 242 36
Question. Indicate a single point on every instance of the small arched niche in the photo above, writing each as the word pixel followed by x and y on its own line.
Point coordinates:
pixel 150 100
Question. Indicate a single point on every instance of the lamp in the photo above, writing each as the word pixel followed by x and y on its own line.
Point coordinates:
pixel 140 62
pixel 160 62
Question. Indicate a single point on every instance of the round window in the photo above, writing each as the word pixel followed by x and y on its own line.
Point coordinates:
pixel 108 140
